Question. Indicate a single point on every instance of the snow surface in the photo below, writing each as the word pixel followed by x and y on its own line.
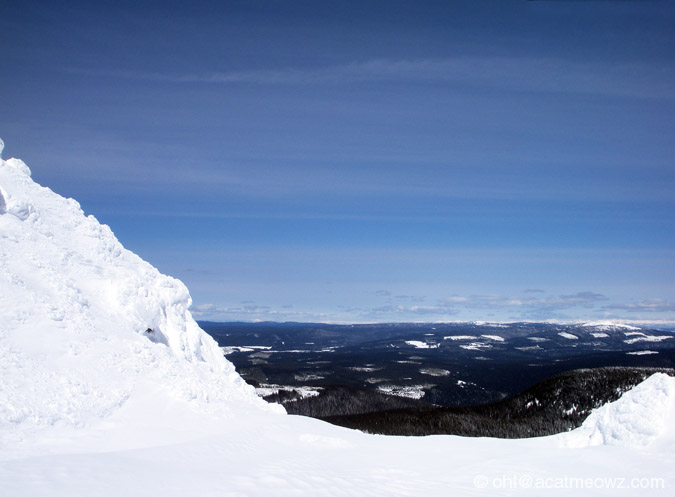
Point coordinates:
pixel 110 388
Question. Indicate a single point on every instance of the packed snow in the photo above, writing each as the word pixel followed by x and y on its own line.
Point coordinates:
pixel 569 336
pixel 110 388
pixel 84 321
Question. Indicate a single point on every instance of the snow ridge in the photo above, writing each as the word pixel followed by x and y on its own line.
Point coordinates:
pixel 84 320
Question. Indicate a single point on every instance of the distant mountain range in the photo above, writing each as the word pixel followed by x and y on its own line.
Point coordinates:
pixel 447 364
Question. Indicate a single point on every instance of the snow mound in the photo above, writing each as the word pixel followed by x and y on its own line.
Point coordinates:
pixel 84 321
pixel 636 419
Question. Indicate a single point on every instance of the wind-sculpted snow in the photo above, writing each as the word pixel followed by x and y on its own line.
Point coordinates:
pixel 636 419
pixel 83 319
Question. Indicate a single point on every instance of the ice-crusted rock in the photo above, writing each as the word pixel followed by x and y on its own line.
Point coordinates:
pixel 83 320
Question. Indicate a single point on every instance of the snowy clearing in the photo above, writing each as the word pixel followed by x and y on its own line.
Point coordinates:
pixel 421 345
pixel 646 338
pixel 304 392
pixel 408 391
pixel 476 346
pixel 435 371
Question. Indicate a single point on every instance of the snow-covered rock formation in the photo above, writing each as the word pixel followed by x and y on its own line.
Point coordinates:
pixel 636 419
pixel 108 387
pixel 85 321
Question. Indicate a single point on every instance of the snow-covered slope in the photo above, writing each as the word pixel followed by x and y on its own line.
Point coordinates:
pixel 77 309
pixel 607 326
pixel 92 403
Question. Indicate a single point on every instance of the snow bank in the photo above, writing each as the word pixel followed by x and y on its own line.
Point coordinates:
pixel 637 418
pixel 85 320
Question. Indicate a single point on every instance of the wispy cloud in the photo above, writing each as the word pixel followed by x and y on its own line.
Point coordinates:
pixel 567 307
pixel 649 305
pixel 253 312
pixel 512 73
pixel 400 312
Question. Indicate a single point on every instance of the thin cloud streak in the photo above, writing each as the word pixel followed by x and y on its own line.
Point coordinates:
pixel 650 305
pixel 511 73
pixel 501 308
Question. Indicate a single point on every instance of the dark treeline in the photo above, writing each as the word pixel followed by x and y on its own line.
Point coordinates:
pixel 555 405
pixel 340 400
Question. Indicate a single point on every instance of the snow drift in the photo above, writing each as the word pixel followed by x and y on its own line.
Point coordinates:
pixel 84 320
pixel 636 419
pixel 108 387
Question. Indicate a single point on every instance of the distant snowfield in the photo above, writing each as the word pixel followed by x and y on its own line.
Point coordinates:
pixel 641 337
pixel 608 326
pixel 421 345
pixel 408 391
pixel 109 388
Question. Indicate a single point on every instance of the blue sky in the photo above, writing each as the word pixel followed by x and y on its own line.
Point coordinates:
pixel 364 161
